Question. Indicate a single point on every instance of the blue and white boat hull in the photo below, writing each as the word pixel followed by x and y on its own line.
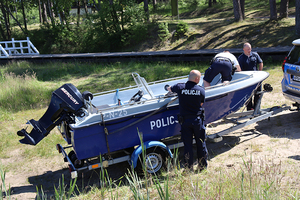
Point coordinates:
pixel 101 123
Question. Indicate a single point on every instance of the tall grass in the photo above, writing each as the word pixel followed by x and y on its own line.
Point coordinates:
pixel 61 192
pixel 21 92
pixel 7 193
pixel 253 179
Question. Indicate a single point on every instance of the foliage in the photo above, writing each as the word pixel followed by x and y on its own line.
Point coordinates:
pixel 116 26
pixel 32 17
pixel 61 192
pixel 181 29
pixel 51 38
pixel 163 31
pixel 3 186
pixel 190 3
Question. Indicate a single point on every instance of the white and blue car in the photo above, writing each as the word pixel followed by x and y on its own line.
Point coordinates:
pixel 291 80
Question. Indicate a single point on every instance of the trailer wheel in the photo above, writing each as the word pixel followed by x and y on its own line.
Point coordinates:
pixel 154 161
pixel 76 162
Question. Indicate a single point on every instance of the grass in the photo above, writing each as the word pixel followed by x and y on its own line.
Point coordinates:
pixel 7 192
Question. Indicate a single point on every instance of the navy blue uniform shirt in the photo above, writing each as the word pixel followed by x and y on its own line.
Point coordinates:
pixel 190 97
pixel 249 63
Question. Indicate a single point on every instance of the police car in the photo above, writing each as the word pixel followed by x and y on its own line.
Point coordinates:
pixel 290 83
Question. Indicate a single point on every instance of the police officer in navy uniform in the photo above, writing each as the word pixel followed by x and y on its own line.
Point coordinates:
pixel 191 98
pixel 249 61
pixel 224 63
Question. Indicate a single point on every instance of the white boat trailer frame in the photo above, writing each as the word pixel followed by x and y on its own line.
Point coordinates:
pixel 253 116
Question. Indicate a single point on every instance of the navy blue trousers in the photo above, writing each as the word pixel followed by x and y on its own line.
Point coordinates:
pixel 254 100
pixel 189 128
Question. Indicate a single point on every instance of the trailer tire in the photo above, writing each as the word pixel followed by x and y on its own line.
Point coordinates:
pixel 155 160
pixel 76 162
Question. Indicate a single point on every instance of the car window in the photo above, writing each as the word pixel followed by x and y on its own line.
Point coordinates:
pixel 294 57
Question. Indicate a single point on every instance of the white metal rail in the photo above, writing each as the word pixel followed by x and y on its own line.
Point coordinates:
pixel 17 47
pixel 3 53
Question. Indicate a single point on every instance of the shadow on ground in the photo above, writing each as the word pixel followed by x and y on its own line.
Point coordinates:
pixel 116 173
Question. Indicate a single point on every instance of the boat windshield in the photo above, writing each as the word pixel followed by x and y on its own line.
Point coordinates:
pixel 236 78
pixel 142 84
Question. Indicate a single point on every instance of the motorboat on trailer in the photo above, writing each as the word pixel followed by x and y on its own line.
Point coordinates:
pixel 102 124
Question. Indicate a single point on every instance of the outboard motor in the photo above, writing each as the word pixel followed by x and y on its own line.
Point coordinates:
pixel 66 103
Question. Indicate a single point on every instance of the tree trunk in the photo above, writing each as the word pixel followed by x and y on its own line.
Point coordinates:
pixel 242 2
pixel 209 3
pixel 44 12
pixel 40 12
pixel 24 15
pixel 62 17
pixel 114 16
pixel 7 12
pixel 78 13
pixel 2 33
pixel 273 12
pixel 297 18
pixel 146 9
pixel 50 11
pixel 85 7
pixel 154 5
pixel 284 5
pixel 7 26
pixel 238 15
pixel 102 19
pixel 16 11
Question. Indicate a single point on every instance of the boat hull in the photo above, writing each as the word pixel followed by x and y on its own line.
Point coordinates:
pixel 90 141
pixel 106 122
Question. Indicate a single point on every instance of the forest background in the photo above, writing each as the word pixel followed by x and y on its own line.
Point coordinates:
pixel 90 26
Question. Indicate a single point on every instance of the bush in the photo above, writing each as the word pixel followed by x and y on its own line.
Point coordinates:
pixel 181 29
pixel 163 31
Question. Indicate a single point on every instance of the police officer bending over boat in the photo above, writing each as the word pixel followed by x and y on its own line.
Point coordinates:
pixel 224 63
pixel 191 98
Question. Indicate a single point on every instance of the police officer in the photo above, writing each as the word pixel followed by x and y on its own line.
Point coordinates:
pixel 191 98
pixel 223 63
pixel 249 61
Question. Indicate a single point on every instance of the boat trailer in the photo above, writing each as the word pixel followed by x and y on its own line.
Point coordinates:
pixel 246 118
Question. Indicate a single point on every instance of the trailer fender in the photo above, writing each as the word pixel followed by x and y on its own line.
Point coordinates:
pixel 135 155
